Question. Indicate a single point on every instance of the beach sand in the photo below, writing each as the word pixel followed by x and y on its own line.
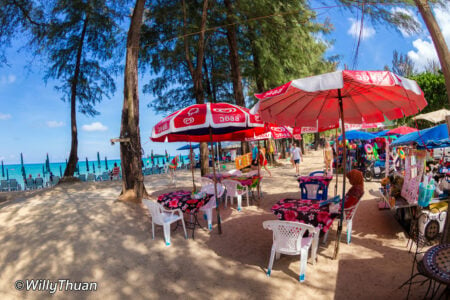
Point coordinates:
pixel 81 233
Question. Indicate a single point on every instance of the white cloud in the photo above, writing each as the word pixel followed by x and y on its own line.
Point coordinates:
pixel 96 126
pixel 425 52
pixel 355 28
pixel 8 79
pixel 406 12
pixel 5 116
pixel 54 124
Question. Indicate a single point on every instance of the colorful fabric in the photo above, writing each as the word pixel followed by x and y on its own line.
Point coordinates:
pixel 219 176
pixel 182 200
pixel 247 181
pixel 304 211
pixel 324 179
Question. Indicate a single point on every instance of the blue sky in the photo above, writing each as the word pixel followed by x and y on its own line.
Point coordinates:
pixel 34 120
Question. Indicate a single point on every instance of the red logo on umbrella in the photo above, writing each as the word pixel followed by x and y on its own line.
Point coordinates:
pixel 224 110
pixel 188 121
pixel 193 111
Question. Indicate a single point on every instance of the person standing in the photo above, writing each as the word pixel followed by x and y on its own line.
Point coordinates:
pixel 263 161
pixel 254 155
pixel 327 157
pixel 297 157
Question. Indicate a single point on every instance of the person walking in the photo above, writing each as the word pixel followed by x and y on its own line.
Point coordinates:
pixel 263 161
pixel 297 157
pixel 328 157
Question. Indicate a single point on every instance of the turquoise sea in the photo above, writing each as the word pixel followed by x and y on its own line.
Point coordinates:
pixel 14 171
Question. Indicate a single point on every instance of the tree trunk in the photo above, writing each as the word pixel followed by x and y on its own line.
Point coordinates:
pixel 438 40
pixel 283 148
pixel 234 56
pixel 133 188
pixel 73 156
pixel 316 140
pixel 204 159
pixel 256 63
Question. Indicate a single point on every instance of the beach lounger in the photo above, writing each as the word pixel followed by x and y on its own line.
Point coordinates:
pixel 105 176
pixel 90 177
pixel 4 186
pixel 39 183
pixel 288 239
pixel 55 180
pixel 164 217
pixel 13 185
pixel 29 184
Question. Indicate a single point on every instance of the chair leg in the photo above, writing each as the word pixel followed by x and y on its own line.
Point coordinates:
pixel 325 237
pixel 277 257
pixel 208 216
pixel 153 230
pixel 239 202
pixel 303 261
pixel 226 199
pixel 184 228
pixel 272 256
pixel 166 228
pixel 349 231
pixel 315 245
pixel 248 202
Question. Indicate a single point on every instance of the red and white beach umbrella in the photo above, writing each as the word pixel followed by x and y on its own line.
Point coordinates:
pixel 353 97
pixel 210 122
pixel 273 131
pixel 401 130
pixel 195 123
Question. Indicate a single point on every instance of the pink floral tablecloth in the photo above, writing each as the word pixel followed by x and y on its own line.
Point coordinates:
pixel 182 200
pixel 304 211
pixel 324 179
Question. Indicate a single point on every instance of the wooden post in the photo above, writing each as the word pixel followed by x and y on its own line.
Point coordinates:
pixel 192 158
pixel 215 182
pixel 446 233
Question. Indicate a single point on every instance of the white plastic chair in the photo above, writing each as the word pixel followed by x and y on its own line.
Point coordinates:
pixel 251 173
pixel 4 187
pixel 212 203
pixel 235 172
pixel 164 217
pixel 288 239
pixel 204 181
pixel 234 189
pixel 349 213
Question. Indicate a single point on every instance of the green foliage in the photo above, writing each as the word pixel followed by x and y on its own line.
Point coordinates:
pixel 61 42
pixel 281 36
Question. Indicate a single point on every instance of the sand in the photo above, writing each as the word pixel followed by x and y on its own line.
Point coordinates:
pixel 81 233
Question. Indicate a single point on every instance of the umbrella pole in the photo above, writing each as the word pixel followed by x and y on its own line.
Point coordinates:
pixel 192 168
pixel 259 174
pixel 344 162
pixel 215 182
pixel 336 145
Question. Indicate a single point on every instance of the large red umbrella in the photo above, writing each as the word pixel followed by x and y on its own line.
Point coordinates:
pixel 207 123
pixel 353 97
pixel 401 130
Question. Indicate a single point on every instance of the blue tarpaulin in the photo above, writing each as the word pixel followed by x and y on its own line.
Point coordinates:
pixel 424 137
pixel 194 146
pixel 381 133
pixel 357 135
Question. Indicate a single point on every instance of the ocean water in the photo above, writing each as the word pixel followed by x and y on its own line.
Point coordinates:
pixel 58 168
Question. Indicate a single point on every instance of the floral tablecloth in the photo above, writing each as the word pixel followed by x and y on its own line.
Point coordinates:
pixel 324 179
pixel 182 200
pixel 304 211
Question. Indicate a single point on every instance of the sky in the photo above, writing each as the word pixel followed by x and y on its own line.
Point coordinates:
pixel 34 121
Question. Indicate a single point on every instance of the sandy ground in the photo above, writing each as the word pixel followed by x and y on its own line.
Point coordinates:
pixel 79 232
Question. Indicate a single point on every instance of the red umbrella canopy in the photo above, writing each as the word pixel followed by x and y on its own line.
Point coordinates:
pixel 273 131
pixel 367 97
pixel 193 124
pixel 401 130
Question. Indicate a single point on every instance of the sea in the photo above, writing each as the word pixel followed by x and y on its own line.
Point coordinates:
pixel 58 168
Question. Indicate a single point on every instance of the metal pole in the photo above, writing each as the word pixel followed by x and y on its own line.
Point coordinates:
pixel 259 174
pixel 344 162
pixel 215 182
pixel 191 155
pixel 336 145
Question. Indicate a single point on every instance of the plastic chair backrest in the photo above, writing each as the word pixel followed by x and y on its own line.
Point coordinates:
pixel 312 190
pixel 29 182
pixel 350 212
pixel 209 189
pixel 317 173
pixel 251 173
pixel 232 187
pixel 4 184
pixel 90 177
pixel 287 236
pixel 55 179
pixel 39 181
pixel 206 181
pixel 82 177
pixel 235 172
pixel 13 184
pixel 155 210
pixel 105 176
